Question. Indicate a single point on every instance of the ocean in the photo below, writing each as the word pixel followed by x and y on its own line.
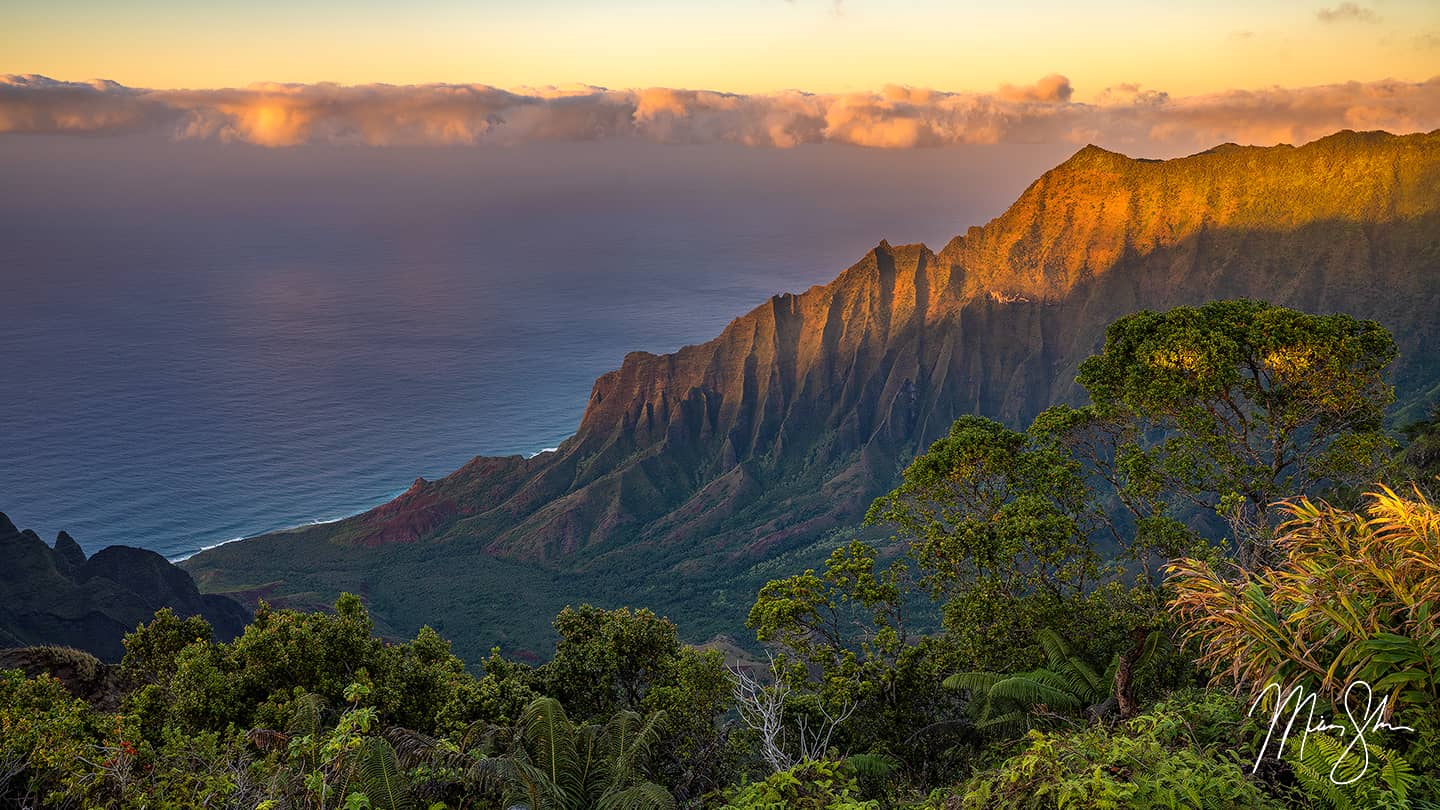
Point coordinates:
pixel 203 342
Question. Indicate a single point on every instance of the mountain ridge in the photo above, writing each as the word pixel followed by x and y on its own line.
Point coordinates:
pixel 56 596
pixel 724 454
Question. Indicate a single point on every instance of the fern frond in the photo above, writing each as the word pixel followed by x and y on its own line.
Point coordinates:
pixel 1030 691
pixel 644 796
pixel 979 682
pixel 377 773
pixel 305 715
pixel 872 766
pixel 549 738
pixel 1008 724
pixel 414 748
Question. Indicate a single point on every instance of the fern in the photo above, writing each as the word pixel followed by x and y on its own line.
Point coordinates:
pixel 644 796
pixel 377 774
pixel 872 766
pixel 553 764
pixel 305 715
pixel 1386 782
pixel 1068 684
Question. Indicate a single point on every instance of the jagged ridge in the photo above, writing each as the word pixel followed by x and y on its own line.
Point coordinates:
pixel 803 409
pixel 58 596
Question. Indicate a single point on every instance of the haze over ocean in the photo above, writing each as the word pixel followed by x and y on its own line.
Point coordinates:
pixel 208 341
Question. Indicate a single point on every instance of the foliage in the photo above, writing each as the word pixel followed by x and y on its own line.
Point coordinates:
pixel 44 732
pixel 548 762
pixel 984 509
pixel 607 660
pixel 1355 598
pixel 346 765
pixel 251 680
pixel 695 753
pixel 1332 777
pixel 152 652
pixel 1025 562
pixel 497 698
pixel 1254 403
pixel 845 646
pixel 811 785
pixel 1168 757
pixel 1068 686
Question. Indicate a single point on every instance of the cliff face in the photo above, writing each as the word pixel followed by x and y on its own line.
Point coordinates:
pixel 57 596
pixel 801 411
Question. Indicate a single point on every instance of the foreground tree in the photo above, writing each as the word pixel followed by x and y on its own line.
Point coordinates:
pixel 845 647
pixel 623 660
pixel 1234 405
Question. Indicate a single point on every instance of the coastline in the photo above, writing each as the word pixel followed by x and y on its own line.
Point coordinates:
pixel 180 558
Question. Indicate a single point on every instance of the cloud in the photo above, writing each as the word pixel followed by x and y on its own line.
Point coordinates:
pixel 1052 88
pixel 1347 12
pixel 894 117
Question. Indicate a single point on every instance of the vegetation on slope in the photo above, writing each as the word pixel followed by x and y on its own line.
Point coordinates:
pixel 1108 615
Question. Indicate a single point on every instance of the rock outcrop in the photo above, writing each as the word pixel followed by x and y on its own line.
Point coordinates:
pixel 56 596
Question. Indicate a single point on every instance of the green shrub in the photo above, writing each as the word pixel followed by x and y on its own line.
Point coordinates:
pixel 807 786
pixel 1181 754
pixel 44 732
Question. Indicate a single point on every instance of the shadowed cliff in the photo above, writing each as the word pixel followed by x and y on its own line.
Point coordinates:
pixel 691 471
pixel 56 596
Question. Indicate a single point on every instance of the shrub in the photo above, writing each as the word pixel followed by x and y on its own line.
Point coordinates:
pixel 807 786
pixel 44 732
pixel 1180 754
pixel 1355 598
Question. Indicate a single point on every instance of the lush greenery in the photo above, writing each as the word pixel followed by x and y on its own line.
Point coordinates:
pixel 1083 614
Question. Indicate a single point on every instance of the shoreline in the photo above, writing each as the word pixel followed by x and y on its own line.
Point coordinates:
pixel 180 558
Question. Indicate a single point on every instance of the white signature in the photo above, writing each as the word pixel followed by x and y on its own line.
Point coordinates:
pixel 1369 721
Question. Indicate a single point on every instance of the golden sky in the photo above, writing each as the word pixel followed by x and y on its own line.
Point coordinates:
pixel 744 46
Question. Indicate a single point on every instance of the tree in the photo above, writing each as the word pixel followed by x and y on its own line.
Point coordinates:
pixel 251 681
pixel 844 646
pixel 607 660
pixel 847 625
pixel 999 528
pixel 762 707
pixel 152 650
pixel 985 507
pixel 1236 404
pixel 694 751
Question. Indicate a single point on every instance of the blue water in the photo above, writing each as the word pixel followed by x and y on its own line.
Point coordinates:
pixel 205 342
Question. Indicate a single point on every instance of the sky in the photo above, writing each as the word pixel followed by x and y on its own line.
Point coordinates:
pixel 737 46
pixel 1150 79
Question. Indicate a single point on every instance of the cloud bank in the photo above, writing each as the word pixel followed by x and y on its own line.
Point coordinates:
pixel 280 115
